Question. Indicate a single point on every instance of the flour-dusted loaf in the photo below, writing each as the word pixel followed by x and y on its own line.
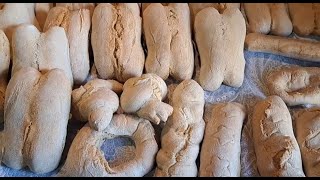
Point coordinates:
pixel 220 151
pixel 143 95
pixel 96 102
pixel 220 40
pixel 307 132
pixel 14 14
pixel 36 112
pixel 268 18
pixel 295 85
pixel 4 69
pixel 276 148
pixel 302 17
pixel 43 51
pixel 281 24
pixel 167 32
pixel 299 49
pixel 183 132
pixel 42 10
pixel 85 158
pixel 116 41
pixel 77 6
pixel 76 24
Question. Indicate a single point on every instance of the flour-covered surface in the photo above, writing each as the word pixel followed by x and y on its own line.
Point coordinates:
pixel 258 65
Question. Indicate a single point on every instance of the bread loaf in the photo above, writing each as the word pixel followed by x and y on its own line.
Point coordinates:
pixel 213 31
pixel 78 6
pixel 220 151
pixel 96 102
pixel 167 32
pixel 302 17
pixel 275 145
pixel 183 132
pixel 116 41
pixel 299 49
pixel 36 113
pixel 295 85
pixel 42 51
pixel 143 95
pixel 4 69
pixel 85 158
pixel 76 24
pixel 307 131
pixel 42 10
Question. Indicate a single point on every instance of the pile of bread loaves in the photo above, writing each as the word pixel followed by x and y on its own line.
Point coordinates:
pixel 133 49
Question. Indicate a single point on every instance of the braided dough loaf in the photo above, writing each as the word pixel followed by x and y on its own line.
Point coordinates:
pixel 307 130
pixel 170 50
pixel 42 51
pixel 276 148
pixel 295 85
pixel 4 69
pixel 76 24
pixel 116 41
pixel 268 17
pixel 220 151
pixel 143 95
pixel 42 10
pixel 86 159
pixel 96 102
pixel 36 112
pixel 213 31
pixel 14 14
pixel 182 133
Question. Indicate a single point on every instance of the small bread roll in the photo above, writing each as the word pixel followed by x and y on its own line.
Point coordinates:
pixel 307 130
pixel 276 148
pixel 220 151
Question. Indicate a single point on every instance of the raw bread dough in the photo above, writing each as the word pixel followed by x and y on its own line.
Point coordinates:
pixel 42 10
pixel 220 151
pixel 299 49
pixel 183 132
pixel 143 95
pixel 275 145
pixel 36 112
pixel 167 32
pixel 43 51
pixel 295 85
pixel 14 14
pixel 96 102
pixel 116 41
pixel 85 158
pixel 76 24
pixel 220 40
pixel 307 131
pixel 302 17
pixel 4 69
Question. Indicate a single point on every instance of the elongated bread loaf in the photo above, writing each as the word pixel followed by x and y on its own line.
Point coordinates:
pixel 220 151
pixel 168 37
pixel 275 145
pixel 258 16
pixel 281 24
pixel 36 112
pixel 43 51
pixel 183 132
pixel 76 24
pixel 4 69
pixel 293 48
pixel 213 31
pixel 78 6
pixel 86 159
pixel 303 18
pixel 116 41
pixel 42 10
pixel 307 130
